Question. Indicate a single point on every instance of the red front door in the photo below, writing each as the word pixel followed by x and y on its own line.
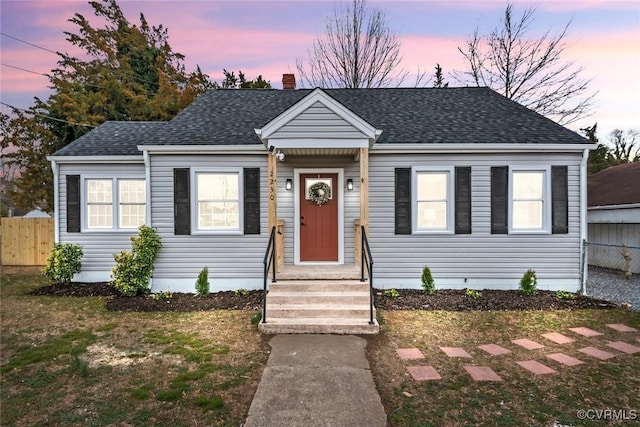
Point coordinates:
pixel 318 223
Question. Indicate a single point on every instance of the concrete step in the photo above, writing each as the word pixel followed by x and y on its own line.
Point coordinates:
pixel 319 285
pixel 350 311
pixel 312 325
pixel 309 297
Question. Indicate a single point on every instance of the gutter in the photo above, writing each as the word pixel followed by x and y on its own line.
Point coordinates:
pixel 147 180
pixel 583 218
pixel 56 201
pixel 480 147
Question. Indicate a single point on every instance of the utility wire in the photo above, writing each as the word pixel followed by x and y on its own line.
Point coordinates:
pixel 47 117
pixel 24 69
pixel 30 44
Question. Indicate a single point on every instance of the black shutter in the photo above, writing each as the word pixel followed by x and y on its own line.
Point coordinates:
pixel 403 201
pixel 73 203
pixel 499 199
pixel 181 201
pixel 251 200
pixel 463 200
pixel 559 200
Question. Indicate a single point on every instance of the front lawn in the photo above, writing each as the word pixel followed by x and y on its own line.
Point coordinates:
pixel 521 398
pixel 69 361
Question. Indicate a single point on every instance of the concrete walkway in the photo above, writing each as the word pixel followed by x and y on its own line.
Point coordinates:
pixel 316 380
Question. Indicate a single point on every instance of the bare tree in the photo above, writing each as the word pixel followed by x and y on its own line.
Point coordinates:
pixel 527 69
pixel 625 146
pixel 358 50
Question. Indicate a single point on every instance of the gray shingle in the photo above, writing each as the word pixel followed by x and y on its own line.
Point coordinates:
pixel 113 139
pixel 406 115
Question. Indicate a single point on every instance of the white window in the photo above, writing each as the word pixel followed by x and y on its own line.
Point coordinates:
pixel 114 203
pixel 433 201
pixel 529 206
pixel 218 201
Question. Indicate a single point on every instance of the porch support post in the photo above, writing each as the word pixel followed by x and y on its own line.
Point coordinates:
pixel 272 173
pixel 364 188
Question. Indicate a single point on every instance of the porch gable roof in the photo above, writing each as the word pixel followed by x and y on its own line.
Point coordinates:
pixel 318 117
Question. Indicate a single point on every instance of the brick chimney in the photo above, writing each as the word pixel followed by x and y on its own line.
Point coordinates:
pixel 288 81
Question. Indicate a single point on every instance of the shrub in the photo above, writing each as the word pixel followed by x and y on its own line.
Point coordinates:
pixel 472 293
pixel 202 284
pixel 131 274
pixel 562 294
pixel 63 262
pixel 528 283
pixel 242 292
pixel 391 293
pixel 428 284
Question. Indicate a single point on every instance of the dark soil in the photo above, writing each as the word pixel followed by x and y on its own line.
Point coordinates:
pixel 407 299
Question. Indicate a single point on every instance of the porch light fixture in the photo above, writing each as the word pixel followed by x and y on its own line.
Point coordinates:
pixel 350 184
pixel 288 185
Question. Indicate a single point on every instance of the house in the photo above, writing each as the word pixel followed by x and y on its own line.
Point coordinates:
pixel 462 180
pixel 613 216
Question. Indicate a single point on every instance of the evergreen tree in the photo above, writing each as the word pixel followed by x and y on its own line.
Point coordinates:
pixel 126 72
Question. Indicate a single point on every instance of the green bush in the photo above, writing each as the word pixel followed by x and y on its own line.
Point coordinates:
pixel 428 284
pixel 63 262
pixel 131 274
pixel 529 283
pixel 391 293
pixel 202 284
pixel 472 293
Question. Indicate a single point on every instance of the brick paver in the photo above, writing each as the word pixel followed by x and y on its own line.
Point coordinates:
pixel 558 338
pixel 621 328
pixel 423 373
pixel 494 349
pixel 528 344
pixel 585 332
pixel 536 367
pixel 624 347
pixel 482 373
pixel 565 359
pixel 409 353
pixel 455 352
pixel 597 353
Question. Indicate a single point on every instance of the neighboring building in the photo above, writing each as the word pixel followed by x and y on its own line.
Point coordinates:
pixel 462 180
pixel 36 213
pixel 614 215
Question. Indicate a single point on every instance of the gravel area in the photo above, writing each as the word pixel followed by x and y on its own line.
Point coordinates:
pixel 612 286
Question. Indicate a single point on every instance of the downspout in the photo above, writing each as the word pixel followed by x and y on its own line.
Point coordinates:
pixel 583 218
pixel 147 180
pixel 56 201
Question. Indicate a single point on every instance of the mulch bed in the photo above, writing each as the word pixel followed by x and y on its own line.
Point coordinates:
pixel 407 299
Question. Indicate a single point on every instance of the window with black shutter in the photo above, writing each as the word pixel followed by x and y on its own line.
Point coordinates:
pixel 463 200
pixel 559 200
pixel 499 199
pixel 403 201
pixel 181 201
pixel 251 200
pixel 73 203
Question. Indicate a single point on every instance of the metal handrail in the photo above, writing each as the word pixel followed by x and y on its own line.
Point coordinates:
pixel 366 253
pixel 268 262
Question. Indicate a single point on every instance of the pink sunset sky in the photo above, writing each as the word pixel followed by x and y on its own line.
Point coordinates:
pixel 266 37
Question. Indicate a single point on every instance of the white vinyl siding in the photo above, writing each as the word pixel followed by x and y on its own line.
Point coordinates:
pixel 318 121
pixel 530 204
pixel 218 203
pixel 98 246
pixel 479 260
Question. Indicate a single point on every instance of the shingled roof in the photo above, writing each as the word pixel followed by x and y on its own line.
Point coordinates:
pixel 617 185
pixel 405 115
pixel 114 139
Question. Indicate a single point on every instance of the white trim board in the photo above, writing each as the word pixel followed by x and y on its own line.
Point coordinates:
pixel 296 233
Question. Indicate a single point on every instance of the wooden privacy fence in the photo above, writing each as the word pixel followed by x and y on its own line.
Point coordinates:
pixel 26 241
